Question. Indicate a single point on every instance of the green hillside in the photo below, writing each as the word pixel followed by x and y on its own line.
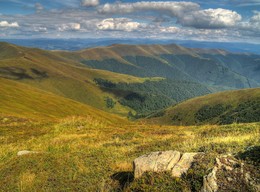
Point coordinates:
pixel 53 72
pixel 152 95
pixel 60 112
pixel 46 71
pixel 211 67
pixel 24 101
pixel 239 106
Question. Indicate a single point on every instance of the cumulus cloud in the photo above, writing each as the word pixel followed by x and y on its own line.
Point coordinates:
pixel 119 24
pixel 154 19
pixel 90 3
pixel 69 27
pixel 7 24
pixel 252 26
pixel 210 18
pixel 187 13
pixel 174 8
pixel 256 17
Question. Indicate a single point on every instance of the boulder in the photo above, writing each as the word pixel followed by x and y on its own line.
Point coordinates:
pixel 163 161
pixel 183 164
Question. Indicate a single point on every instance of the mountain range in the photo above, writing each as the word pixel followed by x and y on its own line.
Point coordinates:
pixel 133 80
pixel 74 44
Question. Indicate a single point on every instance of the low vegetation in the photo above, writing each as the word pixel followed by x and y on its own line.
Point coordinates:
pixel 86 154
pixel 151 95
pixel 57 108
pixel 239 106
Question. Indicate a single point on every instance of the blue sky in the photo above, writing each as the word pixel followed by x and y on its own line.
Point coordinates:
pixel 218 20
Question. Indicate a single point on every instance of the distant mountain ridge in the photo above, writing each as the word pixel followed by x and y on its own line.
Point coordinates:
pixel 212 67
pixel 74 44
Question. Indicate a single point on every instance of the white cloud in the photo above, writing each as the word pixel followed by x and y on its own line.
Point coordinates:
pixel 187 13
pixel 69 27
pixel 256 17
pixel 7 24
pixel 174 8
pixel 119 24
pixel 210 18
pixel 170 29
pixel 40 29
pixel 90 3
pixel 152 19
pixel 38 7
pixel 251 27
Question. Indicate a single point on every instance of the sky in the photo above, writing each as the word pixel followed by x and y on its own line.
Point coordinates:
pixel 202 20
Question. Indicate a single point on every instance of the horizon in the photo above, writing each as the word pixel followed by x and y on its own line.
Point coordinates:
pixel 85 43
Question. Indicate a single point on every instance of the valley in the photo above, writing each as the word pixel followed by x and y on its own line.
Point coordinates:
pixel 85 116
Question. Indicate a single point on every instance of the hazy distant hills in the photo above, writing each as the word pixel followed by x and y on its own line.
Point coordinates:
pixel 74 44
pixel 239 106
pixel 129 79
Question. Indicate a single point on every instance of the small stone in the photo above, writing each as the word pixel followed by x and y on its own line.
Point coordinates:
pixel 26 152
pixel 227 168
pixel 229 179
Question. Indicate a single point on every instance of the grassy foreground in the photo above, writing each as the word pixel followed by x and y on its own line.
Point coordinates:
pixel 84 154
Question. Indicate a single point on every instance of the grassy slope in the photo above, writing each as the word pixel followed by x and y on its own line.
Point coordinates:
pixel 63 77
pixel 79 154
pixel 87 153
pixel 184 113
pixel 25 101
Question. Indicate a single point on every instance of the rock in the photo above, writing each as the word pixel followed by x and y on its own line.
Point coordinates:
pixel 183 165
pixel 26 152
pixel 163 161
pixel 228 174
pixel 229 179
pixel 210 182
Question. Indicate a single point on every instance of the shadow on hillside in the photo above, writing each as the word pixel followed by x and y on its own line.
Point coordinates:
pixel 252 154
pixel 124 178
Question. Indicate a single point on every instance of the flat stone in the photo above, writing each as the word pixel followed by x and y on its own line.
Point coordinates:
pixel 156 162
pixel 183 164
pixel 26 152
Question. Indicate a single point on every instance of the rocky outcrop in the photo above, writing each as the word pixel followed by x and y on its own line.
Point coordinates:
pixel 163 161
pixel 230 174
pixel 226 174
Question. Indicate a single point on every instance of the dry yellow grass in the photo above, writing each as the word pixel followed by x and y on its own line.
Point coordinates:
pixel 81 153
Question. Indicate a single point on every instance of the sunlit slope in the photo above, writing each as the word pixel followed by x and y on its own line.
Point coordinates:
pixel 227 107
pixel 209 66
pixel 52 73
pixel 17 99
